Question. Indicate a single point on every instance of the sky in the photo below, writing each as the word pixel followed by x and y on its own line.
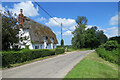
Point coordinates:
pixel 104 15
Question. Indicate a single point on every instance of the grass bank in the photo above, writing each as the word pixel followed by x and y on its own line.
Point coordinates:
pixel 93 66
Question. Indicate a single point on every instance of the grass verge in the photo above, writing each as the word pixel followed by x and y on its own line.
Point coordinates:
pixel 72 49
pixel 93 66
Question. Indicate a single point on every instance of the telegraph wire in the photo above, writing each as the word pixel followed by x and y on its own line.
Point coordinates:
pixel 49 14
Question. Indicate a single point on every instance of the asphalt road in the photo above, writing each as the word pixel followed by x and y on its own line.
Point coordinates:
pixel 56 67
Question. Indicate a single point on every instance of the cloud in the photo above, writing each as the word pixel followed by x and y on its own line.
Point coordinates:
pixel 28 9
pixel 110 32
pixel 114 20
pixel 42 19
pixel 67 33
pixel 66 23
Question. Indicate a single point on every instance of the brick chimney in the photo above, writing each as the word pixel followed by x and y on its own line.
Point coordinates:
pixel 20 18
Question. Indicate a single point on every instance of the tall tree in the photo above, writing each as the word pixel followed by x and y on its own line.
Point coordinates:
pixel 78 40
pixel 91 40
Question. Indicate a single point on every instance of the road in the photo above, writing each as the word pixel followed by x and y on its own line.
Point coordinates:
pixel 56 67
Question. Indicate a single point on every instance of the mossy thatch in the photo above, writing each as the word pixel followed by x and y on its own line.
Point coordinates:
pixel 38 31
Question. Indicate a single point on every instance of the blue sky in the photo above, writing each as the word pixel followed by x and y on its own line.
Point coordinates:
pixel 101 14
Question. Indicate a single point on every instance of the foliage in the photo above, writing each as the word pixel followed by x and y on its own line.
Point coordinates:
pixel 102 38
pixel 12 57
pixel 111 56
pixel 111 45
pixel 9 33
pixel 78 40
pixel 116 38
pixel 59 50
pixel 91 40
pixel 62 42
pixel 87 38
pixel 109 51
pixel 92 66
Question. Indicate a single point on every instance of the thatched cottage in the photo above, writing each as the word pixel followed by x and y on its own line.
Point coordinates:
pixel 39 36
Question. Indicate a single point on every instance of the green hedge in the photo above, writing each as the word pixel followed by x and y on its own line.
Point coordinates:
pixel 109 51
pixel 59 50
pixel 12 57
pixel 111 56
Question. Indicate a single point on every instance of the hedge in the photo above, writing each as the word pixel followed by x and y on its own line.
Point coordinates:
pixel 59 50
pixel 12 57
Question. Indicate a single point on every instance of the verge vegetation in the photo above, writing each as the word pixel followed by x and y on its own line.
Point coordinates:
pixel 93 66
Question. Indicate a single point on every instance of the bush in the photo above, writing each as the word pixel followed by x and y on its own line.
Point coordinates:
pixel 111 56
pixel 109 51
pixel 59 50
pixel 62 42
pixel 111 45
pixel 12 57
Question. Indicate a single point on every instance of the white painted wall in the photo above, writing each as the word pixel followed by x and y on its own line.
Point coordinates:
pixel 28 42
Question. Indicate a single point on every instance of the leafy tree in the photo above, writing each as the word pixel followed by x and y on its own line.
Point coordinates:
pixel 116 38
pixel 91 40
pixel 62 42
pixel 78 40
pixel 101 36
pixel 9 33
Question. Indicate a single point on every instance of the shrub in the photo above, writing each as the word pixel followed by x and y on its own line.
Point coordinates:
pixel 111 56
pixel 111 45
pixel 59 50
pixel 12 57
pixel 62 42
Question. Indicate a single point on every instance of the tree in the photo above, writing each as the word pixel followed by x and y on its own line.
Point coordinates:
pixel 9 32
pixel 91 40
pixel 101 36
pixel 116 38
pixel 62 42
pixel 78 40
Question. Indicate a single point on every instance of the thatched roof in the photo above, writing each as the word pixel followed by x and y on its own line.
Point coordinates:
pixel 38 31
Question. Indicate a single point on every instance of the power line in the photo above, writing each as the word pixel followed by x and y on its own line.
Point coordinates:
pixel 52 18
pixel 46 12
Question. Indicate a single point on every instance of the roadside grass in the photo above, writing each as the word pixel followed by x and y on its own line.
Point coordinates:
pixel 72 49
pixel 27 62
pixel 92 66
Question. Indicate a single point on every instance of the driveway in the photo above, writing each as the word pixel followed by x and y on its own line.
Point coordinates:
pixel 56 67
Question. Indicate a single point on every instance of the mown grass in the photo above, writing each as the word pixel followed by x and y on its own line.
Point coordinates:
pixel 93 66
pixel 72 49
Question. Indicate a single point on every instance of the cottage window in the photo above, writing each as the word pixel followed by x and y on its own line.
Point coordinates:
pixel 36 47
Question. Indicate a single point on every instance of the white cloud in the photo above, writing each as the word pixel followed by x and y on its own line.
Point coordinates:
pixel 66 23
pixel 114 20
pixel 42 19
pixel 110 32
pixel 67 33
pixel 28 8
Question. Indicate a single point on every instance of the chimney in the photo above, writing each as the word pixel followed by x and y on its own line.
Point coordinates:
pixel 21 11
pixel 20 18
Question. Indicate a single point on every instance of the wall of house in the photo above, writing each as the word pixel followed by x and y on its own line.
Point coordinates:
pixel 23 33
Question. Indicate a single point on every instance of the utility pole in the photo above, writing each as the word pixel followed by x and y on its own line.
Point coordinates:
pixel 61 31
